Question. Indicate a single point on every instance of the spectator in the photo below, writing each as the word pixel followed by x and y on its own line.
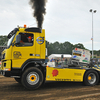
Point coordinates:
pixel 52 60
pixel 66 61
pixel 46 60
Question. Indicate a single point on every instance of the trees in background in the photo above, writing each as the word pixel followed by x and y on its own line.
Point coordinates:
pixel 62 48
pixel 3 40
pixel 56 47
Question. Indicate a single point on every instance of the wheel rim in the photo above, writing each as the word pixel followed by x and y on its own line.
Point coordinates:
pixel 32 78
pixel 91 78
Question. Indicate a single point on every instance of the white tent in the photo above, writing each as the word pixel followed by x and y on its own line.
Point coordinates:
pixel 55 56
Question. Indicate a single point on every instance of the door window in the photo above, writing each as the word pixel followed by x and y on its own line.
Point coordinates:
pixel 26 39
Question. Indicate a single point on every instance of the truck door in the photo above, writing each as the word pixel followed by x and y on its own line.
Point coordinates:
pixel 24 50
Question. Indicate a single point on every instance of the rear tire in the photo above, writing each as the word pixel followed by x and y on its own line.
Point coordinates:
pixel 32 78
pixel 91 78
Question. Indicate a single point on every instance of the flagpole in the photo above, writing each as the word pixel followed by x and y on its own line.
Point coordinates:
pixel 92 35
pixel 92 11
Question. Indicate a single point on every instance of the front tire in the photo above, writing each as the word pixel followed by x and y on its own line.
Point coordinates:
pixel 32 78
pixel 91 78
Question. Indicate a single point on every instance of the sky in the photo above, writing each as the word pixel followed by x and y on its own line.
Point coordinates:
pixel 65 20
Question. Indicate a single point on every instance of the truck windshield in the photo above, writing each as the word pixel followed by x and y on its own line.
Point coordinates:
pixel 10 41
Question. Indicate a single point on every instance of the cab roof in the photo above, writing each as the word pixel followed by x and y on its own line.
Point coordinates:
pixel 31 29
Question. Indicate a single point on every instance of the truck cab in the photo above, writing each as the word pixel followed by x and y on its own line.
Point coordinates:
pixel 25 49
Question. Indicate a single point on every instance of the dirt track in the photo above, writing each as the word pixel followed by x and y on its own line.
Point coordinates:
pixel 11 90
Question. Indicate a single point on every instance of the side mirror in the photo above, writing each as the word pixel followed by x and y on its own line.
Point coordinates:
pixel 18 38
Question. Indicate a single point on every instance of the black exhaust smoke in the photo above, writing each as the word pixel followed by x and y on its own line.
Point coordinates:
pixel 39 10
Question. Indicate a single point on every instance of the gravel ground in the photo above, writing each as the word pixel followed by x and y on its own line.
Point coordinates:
pixel 11 90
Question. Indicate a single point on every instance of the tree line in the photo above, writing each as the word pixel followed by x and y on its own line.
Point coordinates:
pixel 62 48
pixel 66 48
pixel 56 47
pixel 3 40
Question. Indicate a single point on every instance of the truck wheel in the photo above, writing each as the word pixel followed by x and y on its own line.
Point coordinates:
pixel 18 80
pixel 91 78
pixel 32 78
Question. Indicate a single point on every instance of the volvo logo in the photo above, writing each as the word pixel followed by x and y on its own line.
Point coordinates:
pixel 40 40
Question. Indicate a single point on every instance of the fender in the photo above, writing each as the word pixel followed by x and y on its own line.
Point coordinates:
pixel 29 61
pixel 88 69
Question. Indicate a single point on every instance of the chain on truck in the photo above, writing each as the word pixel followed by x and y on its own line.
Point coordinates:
pixel 24 60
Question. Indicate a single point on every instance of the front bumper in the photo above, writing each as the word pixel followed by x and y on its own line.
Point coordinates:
pixel 6 68
pixel 12 73
pixel 5 73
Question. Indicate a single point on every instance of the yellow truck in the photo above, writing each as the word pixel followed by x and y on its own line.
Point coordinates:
pixel 24 60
